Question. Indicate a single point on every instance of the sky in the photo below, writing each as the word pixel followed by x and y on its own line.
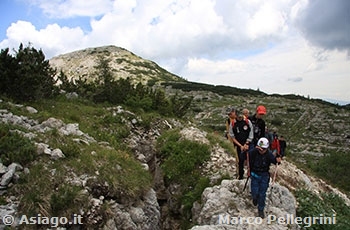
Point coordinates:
pixel 296 47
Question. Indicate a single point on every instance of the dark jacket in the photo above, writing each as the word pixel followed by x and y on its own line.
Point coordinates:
pixel 258 127
pixel 242 131
pixel 260 162
pixel 283 144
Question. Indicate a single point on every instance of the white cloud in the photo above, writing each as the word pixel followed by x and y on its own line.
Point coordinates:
pixel 72 8
pixel 265 21
pixel 52 40
pixel 283 69
pixel 176 29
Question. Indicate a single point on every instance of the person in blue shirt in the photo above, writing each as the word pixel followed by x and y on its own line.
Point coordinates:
pixel 259 160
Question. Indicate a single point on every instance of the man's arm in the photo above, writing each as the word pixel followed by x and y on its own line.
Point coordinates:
pixel 274 159
pixel 251 132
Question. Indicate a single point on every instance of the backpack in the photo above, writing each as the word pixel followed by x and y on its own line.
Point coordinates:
pixel 274 144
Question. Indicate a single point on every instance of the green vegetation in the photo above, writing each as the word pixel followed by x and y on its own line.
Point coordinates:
pixel 181 161
pixel 122 91
pixel 14 147
pixel 327 205
pixel 111 173
pixel 27 76
pixel 219 89
pixel 181 156
pixel 334 168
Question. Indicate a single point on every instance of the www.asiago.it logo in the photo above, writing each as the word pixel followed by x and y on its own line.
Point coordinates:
pixel 42 220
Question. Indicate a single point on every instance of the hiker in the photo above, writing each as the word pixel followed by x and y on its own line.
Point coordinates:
pixel 245 112
pixel 231 113
pixel 275 145
pixel 241 133
pixel 283 146
pixel 258 124
pixel 268 134
pixel 260 159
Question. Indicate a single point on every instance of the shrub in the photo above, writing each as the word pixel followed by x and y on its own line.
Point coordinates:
pixel 27 76
pixel 310 205
pixel 15 148
pixel 181 156
pixel 181 161
pixel 124 175
pixel 334 165
pixel 276 122
pixel 67 200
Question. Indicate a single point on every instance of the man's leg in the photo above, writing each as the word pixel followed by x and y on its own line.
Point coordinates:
pixel 254 189
pixel 263 186
pixel 240 164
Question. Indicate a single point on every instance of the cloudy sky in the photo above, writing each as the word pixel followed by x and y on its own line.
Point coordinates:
pixel 278 46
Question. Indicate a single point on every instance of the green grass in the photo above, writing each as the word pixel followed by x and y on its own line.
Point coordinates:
pixel 14 147
pixel 327 205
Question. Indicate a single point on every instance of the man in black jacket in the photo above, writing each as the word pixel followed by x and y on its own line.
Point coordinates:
pixel 241 134
pixel 260 159
pixel 258 124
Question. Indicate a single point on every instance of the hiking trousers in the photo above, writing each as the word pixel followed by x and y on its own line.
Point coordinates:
pixel 259 185
pixel 241 159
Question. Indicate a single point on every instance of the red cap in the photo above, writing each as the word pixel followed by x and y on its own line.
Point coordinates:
pixel 261 110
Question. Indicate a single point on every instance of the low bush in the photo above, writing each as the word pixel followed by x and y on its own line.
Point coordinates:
pixel 181 156
pixel 14 147
pixel 181 161
pixel 327 205
pixel 333 167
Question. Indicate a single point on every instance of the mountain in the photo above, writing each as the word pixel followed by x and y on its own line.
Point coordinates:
pixel 120 167
pixel 122 62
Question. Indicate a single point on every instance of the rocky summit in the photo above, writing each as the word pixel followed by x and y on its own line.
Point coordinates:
pixel 124 64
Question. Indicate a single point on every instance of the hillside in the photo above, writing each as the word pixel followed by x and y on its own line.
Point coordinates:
pixel 124 167
pixel 122 62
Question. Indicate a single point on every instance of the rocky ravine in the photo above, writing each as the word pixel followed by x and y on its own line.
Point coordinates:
pixel 226 199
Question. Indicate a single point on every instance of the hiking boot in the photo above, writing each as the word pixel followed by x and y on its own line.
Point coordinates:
pixel 255 202
pixel 261 214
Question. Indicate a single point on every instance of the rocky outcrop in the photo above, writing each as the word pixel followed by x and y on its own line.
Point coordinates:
pixel 290 176
pixel 145 214
pixel 227 205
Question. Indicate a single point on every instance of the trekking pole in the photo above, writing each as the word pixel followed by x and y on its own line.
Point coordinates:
pixel 274 175
pixel 246 182
pixel 248 171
